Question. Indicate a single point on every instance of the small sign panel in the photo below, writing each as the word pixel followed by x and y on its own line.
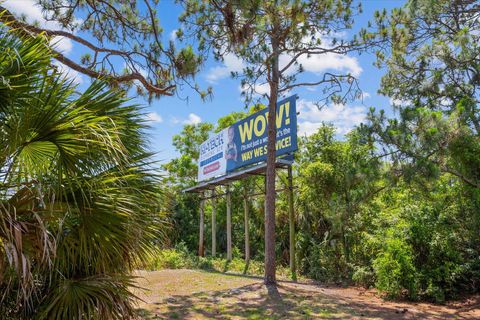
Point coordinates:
pixel 212 161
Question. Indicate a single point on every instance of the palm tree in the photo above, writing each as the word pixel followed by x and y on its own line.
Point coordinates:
pixel 77 196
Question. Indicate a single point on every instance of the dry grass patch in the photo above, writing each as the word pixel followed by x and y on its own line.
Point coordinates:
pixel 192 294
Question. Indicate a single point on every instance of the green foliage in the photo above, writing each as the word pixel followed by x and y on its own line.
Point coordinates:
pixel 181 257
pixel 363 276
pixel 175 258
pixel 433 81
pixel 337 179
pixel 394 269
pixel 395 203
pixel 433 145
pixel 78 198
pixel 123 39
pixel 356 223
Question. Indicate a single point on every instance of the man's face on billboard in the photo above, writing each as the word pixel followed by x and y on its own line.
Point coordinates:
pixel 231 134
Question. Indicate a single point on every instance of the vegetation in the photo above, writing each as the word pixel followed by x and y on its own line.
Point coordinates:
pixel 263 32
pixel 394 204
pixel 357 222
pixel 122 41
pixel 180 257
pixel 78 200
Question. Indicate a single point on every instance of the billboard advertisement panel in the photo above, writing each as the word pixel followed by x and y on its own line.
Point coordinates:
pixel 245 142
pixel 212 161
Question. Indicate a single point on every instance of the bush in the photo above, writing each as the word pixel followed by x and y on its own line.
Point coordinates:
pixel 323 261
pixel 363 276
pixel 180 258
pixel 175 258
pixel 395 271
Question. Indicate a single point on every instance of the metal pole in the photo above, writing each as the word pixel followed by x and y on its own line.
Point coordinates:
pixel 214 224
pixel 201 248
pixel 247 231
pixel 229 224
pixel 291 218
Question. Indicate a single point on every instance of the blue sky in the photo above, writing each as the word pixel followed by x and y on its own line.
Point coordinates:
pixel 168 115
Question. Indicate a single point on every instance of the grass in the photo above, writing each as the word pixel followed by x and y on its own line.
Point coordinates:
pixel 190 294
pixel 197 294
pixel 217 289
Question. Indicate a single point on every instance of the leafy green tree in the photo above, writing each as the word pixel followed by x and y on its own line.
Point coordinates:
pixel 424 240
pixel 261 33
pixel 188 142
pixel 123 41
pixel 433 141
pixel 433 80
pixel 337 179
pixel 181 172
pixel 78 199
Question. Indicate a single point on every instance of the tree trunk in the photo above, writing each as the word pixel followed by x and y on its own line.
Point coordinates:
pixel 270 174
pixel 345 217
pixel 214 224
pixel 291 220
pixel 247 230
pixel 229 224
pixel 201 248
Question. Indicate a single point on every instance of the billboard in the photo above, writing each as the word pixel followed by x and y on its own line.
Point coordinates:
pixel 245 142
pixel 212 162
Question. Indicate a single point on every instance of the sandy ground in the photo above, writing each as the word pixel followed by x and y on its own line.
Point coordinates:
pixel 192 294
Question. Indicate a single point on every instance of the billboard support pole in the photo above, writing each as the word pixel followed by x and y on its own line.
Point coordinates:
pixel 229 224
pixel 247 231
pixel 291 218
pixel 201 248
pixel 214 224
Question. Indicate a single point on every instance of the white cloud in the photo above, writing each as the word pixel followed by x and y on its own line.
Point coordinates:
pixel 343 117
pixel 231 64
pixel 260 89
pixel 317 64
pixel 366 95
pixel 192 119
pixel 62 44
pixel 174 120
pixel 173 35
pixel 321 63
pixel 27 7
pixel 398 102
pixel 33 13
pixel 153 117
pixel 69 72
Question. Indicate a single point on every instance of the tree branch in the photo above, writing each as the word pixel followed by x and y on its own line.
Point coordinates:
pixel 459 175
pixel 111 78
pixel 9 19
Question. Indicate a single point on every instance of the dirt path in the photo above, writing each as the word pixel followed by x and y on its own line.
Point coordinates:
pixel 191 294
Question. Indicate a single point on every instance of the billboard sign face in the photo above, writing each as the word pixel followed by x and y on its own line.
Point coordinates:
pixel 245 142
pixel 249 136
pixel 212 161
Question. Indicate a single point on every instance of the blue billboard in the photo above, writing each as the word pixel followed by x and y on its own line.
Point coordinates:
pixel 247 139
pixel 245 142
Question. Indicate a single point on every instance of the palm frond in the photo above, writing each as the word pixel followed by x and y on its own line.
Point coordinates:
pixel 78 198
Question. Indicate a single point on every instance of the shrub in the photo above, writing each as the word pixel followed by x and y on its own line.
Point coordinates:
pixel 363 276
pixel 394 270
pixel 179 257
